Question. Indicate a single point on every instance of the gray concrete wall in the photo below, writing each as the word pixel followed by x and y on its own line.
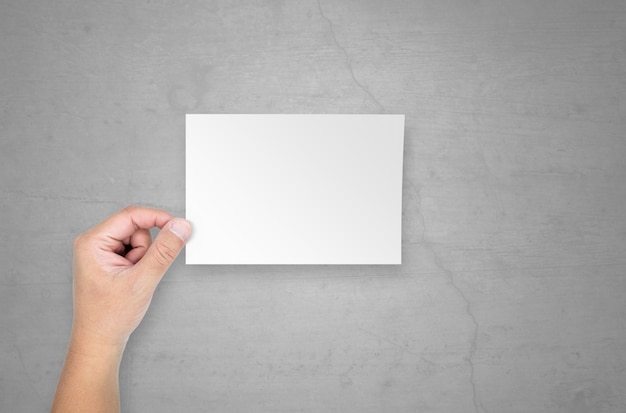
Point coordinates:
pixel 512 294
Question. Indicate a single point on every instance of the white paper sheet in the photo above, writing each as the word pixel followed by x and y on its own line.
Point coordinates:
pixel 294 189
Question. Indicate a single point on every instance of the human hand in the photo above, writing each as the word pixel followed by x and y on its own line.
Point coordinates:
pixel 117 268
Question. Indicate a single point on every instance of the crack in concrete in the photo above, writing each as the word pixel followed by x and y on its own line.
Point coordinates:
pixel 460 293
pixel 348 59
pixel 468 310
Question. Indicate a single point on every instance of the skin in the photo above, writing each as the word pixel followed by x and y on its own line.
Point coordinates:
pixel 116 270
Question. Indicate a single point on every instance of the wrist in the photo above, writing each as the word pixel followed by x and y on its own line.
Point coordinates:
pixel 88 345
pixel 89 380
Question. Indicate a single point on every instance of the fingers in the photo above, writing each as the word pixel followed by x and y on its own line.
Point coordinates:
pixel 164 249
pixel 126 222
pixel 139 243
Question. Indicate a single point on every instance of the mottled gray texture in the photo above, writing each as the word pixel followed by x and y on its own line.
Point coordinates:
pixel 512 295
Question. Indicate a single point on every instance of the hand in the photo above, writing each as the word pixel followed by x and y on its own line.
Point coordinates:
pixel 117 267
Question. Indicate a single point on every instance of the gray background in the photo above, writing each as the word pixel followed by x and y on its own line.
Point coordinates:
pixel 512 292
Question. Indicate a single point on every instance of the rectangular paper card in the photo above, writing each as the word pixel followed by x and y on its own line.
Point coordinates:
pixel 294 189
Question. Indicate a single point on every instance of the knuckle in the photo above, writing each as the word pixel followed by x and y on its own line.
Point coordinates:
pixel 80 241
pixel 129 209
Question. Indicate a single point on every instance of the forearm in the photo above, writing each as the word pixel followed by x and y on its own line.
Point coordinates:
pixel 89 381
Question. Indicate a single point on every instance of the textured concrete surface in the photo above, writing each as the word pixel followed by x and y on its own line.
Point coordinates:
pixel 512 294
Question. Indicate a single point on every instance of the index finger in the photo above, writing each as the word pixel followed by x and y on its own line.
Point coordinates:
pixel 126 222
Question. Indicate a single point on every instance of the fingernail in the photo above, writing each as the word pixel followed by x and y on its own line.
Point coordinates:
pixel 181 228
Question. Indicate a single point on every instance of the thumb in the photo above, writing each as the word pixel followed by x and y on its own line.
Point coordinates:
pixel 165 248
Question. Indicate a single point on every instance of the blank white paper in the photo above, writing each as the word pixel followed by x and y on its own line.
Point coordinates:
pixel 294 189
